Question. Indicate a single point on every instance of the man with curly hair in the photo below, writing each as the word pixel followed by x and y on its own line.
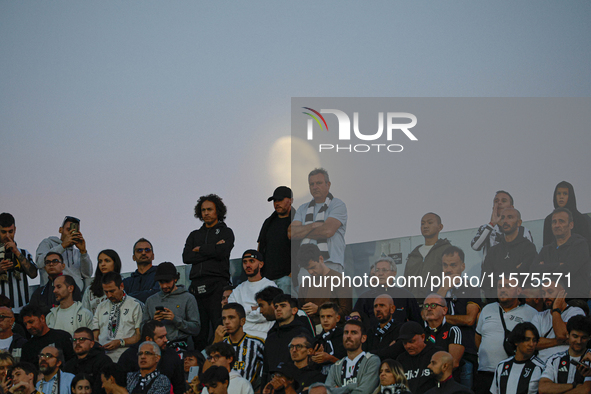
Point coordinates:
pixel 208 249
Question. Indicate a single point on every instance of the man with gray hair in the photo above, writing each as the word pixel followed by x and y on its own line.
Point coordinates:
pixel 322 221
pixel 50 361
pixel 407 307
pixel 149 379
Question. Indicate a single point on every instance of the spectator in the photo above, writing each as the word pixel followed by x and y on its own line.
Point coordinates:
pixel 311 296
pixel 54 380
pixel 274 244
pixel 142 284
pixel 81 384
pixel 392 378
pixel 148 380
pixel 108 260
pixel 114 381
pixel 300 350
pixel 228 290
pixel 216 380
pixel 24 376
pixel 116 322
pixel 249 350
pixel 244 294
pixel 358 372
pixel 42 335
pixel 283 380
pixel 6 363
pixel 322 221
pixel 222 354
pixel 265 299
pixel 174 306
pixel 76 261
pixel 560 375
pixel 441 366
pixel 520 373
pixel 208 251
pixel 417 356
pixel 16 265
pixel 10 342
pixel 69 315
pixel 426 258
pixel 383 334
pixel 534 296
pixel 319 388
pixel 488 235
pixel 491 331
pixel 328 345
pixel 512 254
pixel 192 358
pixel 44 296
pixel 89 360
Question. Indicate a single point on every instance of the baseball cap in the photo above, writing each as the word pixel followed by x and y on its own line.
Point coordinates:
pixel 166 271
pixel 254 254
pixel 288 370
pixel 409 330
pixel 280 193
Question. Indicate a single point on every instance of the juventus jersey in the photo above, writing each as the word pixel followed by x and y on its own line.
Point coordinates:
pixel 517 377
pixel 560 370
pixel 249 356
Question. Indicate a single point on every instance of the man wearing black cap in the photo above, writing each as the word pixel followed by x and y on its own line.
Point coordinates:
pixel 244 294
pixel 417 357
pixel 273 241
pixel 174 306
pixel 283 380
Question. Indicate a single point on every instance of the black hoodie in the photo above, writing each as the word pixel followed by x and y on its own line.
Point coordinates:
pixel 277 345
pixel 581 222
pixel 92 364
pixel 419 376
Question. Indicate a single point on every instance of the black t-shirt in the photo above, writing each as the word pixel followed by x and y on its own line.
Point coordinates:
pixel 419 376
pixel 277 253
pixel 58 338
pixel 458 301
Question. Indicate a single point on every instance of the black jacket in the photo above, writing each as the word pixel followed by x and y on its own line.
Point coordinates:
pixel 379 344
pixel 450 386
pixel 44 298
pixel 277 342
pixel 407 307
pixel 419 376
pixel 17 342
pixel 213 259
pixel 308 375
pixel 142 286
pixel 92 365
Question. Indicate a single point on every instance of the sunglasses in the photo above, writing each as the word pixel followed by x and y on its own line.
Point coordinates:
pixel 347 318
pixel 54 261
pixel 142 250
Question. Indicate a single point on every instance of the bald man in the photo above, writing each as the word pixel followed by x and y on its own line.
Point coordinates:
pixel 441 367
pixel 382 336
pixel 10 342
pixel 513 254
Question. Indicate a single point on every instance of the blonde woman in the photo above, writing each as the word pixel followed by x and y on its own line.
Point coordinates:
pixel 392 379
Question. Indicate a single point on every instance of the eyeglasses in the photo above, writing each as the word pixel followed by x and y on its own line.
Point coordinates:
pixel 46 355
pixel 299 346
pixel 51 262
pixel 215 357
pixel 432 306
pixel 384 270
pixel 81 340
pixel 2 317
pixel 145 354
pixel 347 318
pixel 142 250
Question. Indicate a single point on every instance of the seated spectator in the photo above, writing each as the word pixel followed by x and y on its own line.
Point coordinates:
pixel 441 367
pixel 6 363
pixel 560 374
pixel 114 380
pixel 10 342
pixel 358 371
pixel 311 296
pixel 192 358
pixel 24 377
pixel 50 361
pixel 328 345
pixel 141 284
pixel 81 384
pixel 283 380
pixel 228 290
pixel 300 349
pixel 533 296
pixel 407 307
pixel 42 336
pixel 44 296
pixel 520 373
pixel 392 378
pixel 554 335
pixel 265 299
pixel 216 380
pixel 69 315
pixel 244 294
pixel 222 354
pixel 383 335
pixel 108 260
pixel 148 380
pixel 89 360
pixel 417 356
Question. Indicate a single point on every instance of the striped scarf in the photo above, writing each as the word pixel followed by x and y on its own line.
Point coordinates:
pixel 320 218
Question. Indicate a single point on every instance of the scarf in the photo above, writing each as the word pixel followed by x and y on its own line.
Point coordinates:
pixel 320 218
pixel 115 317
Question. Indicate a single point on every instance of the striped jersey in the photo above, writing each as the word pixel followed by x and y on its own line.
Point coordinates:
pixel 560 370
pixel 249 356
pixel 14 284
pixel 517 377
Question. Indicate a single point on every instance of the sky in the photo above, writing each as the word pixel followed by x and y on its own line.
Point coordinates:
pixel 124 113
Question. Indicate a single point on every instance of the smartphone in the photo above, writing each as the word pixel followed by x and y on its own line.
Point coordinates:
pixel 160 308
pixel 577 363
pixel 74 227
pixel 193 371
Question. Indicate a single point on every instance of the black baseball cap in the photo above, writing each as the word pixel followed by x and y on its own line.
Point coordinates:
pixel 280 193
pixel 253 253
pixel 409 330
pixel 166 271
pixel 288 370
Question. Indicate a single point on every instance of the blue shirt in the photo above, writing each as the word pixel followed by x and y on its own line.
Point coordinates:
pixel 65 383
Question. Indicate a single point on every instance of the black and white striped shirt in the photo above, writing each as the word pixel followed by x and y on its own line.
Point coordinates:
pixel 517 377
pixel 14 284
pixel 249 356
pixel 560 370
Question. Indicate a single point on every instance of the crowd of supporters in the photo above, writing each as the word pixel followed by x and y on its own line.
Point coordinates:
pixel 527 331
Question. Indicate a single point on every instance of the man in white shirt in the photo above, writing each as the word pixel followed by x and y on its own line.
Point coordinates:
pixel 69 315
pixel 244 294
pixel 10 342
pixel 117 320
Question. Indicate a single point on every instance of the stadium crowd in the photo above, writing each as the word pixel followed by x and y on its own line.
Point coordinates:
pixel 528 331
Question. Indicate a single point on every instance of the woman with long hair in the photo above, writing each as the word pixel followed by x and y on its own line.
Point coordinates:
pixel 108 260
pixel 392 378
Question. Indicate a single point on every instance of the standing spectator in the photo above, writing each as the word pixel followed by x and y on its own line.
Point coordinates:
pixel 16 265
pixel 42 335
pixel 141 284
pixel 425 259
pixel 274 244
pixel 322 221
pixel 148 380
pixel 244 294
pixel 117 320
pixel 10 342
pixel 174 306
pixel 358 372
pixel 441 367
pixel 108 260
pixel 222 354
pixel 69 315
pixel 76 260
pixel 54 381
pixel 208 251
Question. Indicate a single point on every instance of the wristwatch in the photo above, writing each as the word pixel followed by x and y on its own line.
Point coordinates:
pixel 557 310
pixel 122 342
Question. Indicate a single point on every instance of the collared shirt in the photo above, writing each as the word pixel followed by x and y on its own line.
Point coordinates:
pixel 46 387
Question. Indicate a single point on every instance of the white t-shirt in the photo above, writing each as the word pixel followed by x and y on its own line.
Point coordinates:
pixel 491 351
pixel 543 322
pixel 69 319
pixel 237 385
pixel 90 301
pixel 130 319
pixel 5 344
pixel 256 324
pixel 425 249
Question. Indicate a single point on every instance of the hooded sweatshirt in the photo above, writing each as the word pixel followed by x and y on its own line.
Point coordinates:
pixel 581 222
pixel 142 286
pixel 92 364
pixel 277 345
pixel 431 264
pixel 186 313
pixel 78 265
